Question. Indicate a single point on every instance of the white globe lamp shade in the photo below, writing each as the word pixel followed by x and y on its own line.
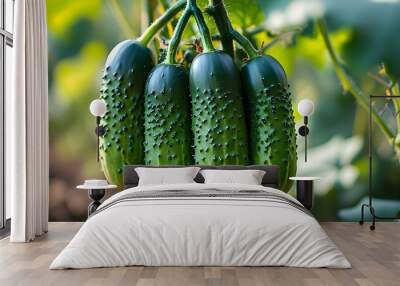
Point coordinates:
pixel 98 107
pixel 305 107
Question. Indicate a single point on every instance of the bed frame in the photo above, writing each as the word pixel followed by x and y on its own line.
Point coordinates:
pixel 271 177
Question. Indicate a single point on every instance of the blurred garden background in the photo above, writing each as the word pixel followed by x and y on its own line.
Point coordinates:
pixel 336 53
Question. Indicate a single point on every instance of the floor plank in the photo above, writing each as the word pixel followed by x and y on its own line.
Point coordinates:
pixel 375 257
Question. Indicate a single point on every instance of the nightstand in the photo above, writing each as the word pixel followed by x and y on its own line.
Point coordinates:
pixel 304 190
pixel 96 193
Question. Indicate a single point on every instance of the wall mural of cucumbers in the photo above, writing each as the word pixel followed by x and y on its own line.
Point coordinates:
pixel 218 112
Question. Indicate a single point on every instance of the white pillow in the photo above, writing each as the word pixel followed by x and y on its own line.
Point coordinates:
pixel 166 176
pixel 247 177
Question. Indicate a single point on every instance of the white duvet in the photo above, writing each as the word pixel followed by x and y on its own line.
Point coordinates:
pixel 200 231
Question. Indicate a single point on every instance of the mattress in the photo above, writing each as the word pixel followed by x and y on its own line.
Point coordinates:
pixel 201 225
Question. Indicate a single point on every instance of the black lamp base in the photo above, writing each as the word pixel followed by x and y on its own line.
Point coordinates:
pixel 303 130
pixel 100 131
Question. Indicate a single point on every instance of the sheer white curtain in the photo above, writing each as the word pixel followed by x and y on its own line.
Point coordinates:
pixel 27 124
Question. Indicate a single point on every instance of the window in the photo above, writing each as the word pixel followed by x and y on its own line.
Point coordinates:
pixel 6 44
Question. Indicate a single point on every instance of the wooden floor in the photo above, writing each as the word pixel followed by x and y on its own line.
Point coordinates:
pixel 375 257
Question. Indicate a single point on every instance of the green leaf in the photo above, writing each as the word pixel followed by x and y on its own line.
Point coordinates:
pixel 63 14
pixel 311 49
pixel 375 37
pixel 245 13
pixel 76 77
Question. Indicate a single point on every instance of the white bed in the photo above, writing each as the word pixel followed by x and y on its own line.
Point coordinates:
pixel 267 229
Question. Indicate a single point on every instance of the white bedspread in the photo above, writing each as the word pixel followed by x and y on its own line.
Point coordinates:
pixel 200 231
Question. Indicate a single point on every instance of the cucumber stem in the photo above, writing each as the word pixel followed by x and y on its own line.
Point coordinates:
pixel 349 83
pixel 217 10
pixel 176 38
pixel 201 24
pixel 224 25
pixel 150 32
pixel 396 102
pixel 395 89
pixel 245 43
pixel 150 7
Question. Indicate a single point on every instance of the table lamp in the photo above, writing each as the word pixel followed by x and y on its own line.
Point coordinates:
pixel 98 109
pixel 305 108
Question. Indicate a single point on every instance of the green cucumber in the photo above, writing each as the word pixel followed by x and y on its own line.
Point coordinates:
pixel 124 78
pixel 167 122
pixel 218 121
pixel 270 117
